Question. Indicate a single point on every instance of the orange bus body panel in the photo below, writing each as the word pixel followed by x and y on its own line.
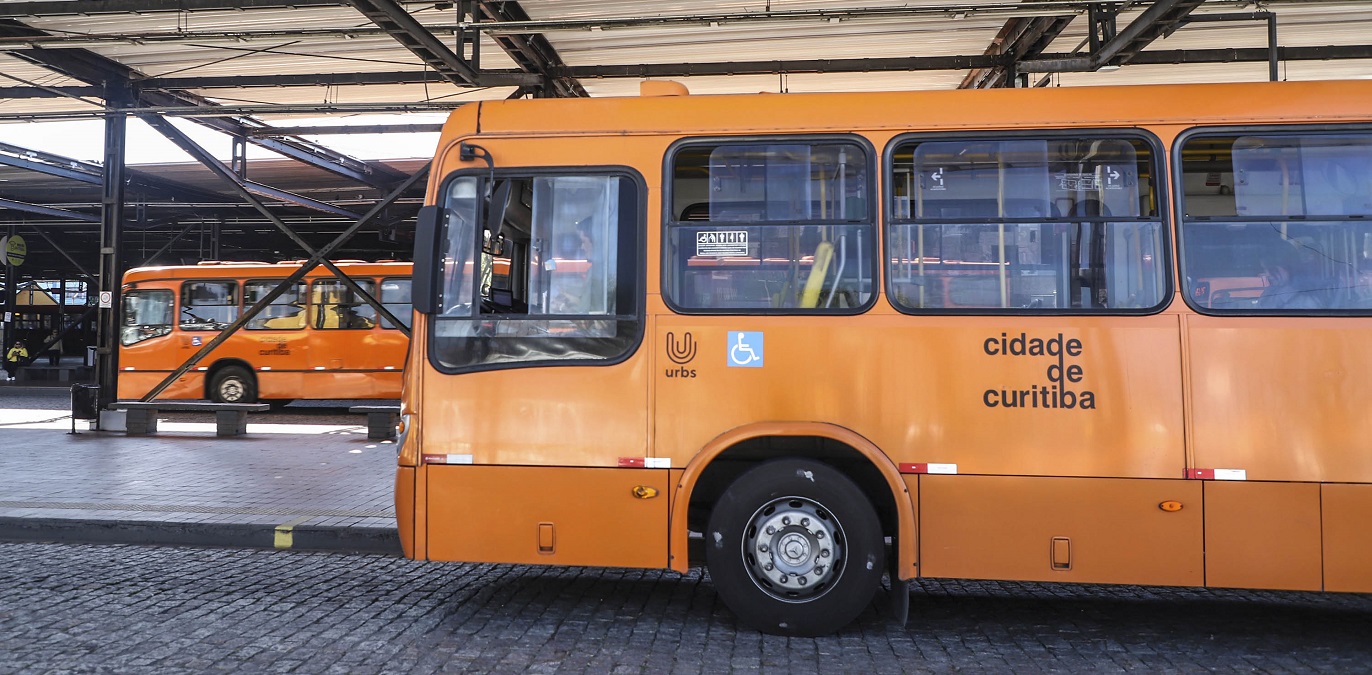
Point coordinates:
pixel 1347 532
pixel 404 494
pixel 547 515
pixel 1004 527
pixel 1252 380
pixel 917 386
pixel 1262 535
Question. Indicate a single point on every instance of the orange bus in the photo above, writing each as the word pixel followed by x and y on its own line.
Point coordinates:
pixel 316 341
pixel 1098 335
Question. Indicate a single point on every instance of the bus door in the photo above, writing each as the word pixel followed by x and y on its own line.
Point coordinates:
pixel 345 352
pixel 540 387
pixel 1277 262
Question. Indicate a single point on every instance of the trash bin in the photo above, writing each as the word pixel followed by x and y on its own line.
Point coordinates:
pixel 85 401
pixel 90 356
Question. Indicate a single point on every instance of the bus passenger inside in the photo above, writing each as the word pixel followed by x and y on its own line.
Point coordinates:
pixel 1293 278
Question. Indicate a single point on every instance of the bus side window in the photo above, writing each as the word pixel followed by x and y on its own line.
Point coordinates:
pixel 208 305
pixel 147 314
pixel 1025 224
pixel 779 227
pixel 395 297
pixel 1275 222
pixel 286 312
pixel 337 307
pixel 554 262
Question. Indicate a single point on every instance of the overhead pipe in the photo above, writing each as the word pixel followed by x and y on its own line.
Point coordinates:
pixel 1108 50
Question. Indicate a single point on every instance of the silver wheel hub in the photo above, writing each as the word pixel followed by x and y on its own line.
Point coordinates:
pixel 231 390
pixel 793 548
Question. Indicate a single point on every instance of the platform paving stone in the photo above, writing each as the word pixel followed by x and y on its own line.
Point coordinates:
pixel 335 490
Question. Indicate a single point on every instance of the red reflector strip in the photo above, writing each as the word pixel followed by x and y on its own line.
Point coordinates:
pixel 645 462
pixel 1217 474
pixel 928 468
pixel 447 459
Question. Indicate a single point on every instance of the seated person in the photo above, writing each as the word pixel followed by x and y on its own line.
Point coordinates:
pixel 1293 280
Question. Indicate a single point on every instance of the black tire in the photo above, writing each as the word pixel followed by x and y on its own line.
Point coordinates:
pixel 830 530
pixel 232 384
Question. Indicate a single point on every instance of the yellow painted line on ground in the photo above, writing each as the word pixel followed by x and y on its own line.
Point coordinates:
pixel 285 531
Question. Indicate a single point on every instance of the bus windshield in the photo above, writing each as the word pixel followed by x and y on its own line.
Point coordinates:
pixel 147 314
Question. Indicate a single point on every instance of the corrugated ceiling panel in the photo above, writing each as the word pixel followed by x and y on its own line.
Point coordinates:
pixel 929 35
pixel 376 93
pixel 799 83
pixel 1221 72
pixel 291 54
pixel 15 71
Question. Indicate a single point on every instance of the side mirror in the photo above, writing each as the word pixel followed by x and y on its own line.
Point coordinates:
pixel 423 293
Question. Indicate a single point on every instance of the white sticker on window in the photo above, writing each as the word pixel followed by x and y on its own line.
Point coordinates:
pixel 722 244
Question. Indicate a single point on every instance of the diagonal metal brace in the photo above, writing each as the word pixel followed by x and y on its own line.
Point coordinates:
pixel 315 259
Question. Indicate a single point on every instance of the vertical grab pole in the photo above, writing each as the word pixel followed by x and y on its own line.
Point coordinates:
pixel 1000 230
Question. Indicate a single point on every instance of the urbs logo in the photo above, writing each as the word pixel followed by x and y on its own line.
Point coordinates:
pixel 681 352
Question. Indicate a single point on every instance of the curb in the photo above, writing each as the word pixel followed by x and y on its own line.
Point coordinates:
pixel 377 540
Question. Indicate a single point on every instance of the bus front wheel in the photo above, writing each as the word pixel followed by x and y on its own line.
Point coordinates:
pixel 233 384
pixel 795 548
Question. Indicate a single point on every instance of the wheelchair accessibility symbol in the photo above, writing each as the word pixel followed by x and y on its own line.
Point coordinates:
pixel 745 349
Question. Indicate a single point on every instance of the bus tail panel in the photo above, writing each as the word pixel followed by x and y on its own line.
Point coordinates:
pixel 548 515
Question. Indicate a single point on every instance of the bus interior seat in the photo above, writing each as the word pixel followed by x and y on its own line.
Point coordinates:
pixel 699 211
pixel 1090 208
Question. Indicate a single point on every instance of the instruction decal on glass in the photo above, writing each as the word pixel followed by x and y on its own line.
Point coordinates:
pixel 722 244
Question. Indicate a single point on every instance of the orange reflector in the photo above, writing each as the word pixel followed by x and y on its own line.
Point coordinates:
pixel 644 492
pixel 1170 506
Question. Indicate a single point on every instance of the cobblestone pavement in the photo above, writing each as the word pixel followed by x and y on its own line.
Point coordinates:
pixel 127 609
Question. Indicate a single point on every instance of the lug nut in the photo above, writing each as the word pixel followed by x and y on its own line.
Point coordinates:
pixel 785 520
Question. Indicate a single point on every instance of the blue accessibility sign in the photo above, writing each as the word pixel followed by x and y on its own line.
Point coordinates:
pixel 745 349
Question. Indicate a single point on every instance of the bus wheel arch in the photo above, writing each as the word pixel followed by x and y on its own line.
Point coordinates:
pixel 231 381
pixel 732 454
pixel 794 547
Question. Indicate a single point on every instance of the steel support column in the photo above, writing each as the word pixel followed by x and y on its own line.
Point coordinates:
pixel 111 263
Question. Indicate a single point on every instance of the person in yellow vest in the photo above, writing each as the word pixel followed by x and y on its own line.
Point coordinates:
pixel 16 355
